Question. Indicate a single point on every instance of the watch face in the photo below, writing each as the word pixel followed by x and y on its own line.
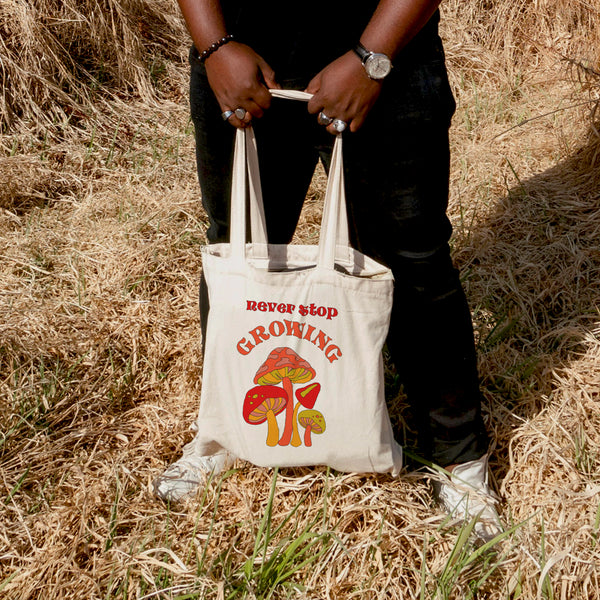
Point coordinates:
pixel 378 66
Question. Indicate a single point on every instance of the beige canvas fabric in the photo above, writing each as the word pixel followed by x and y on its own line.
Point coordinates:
pixel 293 371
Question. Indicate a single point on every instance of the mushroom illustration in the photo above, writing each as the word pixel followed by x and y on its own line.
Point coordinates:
pixel 285 366
pixel 262 404
pixel 311 420
pixel 306 396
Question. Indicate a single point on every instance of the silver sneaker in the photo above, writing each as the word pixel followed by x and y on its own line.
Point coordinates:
pixel 185 476
pixel 466 495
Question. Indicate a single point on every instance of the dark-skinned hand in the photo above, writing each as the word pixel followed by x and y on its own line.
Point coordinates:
pixel 342 90
pixel 240 78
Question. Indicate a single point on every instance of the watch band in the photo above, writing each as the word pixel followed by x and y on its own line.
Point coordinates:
pixel 362 52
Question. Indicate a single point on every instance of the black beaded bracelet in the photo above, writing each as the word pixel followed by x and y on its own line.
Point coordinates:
pixel 202 56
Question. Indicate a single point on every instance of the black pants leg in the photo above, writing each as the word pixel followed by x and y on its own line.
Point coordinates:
pixel 397 172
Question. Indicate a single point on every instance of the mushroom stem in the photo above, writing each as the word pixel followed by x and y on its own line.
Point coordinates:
pixel 273 429
pixel 296 441
pixel 307 438
pixel 289 412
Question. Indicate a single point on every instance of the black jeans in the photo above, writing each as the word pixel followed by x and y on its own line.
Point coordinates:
pixel 396 172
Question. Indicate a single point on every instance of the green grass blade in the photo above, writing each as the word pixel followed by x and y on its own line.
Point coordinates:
pixel 17 486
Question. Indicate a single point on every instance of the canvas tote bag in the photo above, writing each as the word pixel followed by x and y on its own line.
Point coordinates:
pixel 293 371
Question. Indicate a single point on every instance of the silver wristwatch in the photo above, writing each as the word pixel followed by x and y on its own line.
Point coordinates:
pixel 376 64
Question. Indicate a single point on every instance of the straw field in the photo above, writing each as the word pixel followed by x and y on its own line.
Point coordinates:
pixel 100 355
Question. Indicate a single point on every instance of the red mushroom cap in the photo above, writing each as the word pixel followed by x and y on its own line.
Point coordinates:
pixel 260 400
pixel 284 362
pixel 307 396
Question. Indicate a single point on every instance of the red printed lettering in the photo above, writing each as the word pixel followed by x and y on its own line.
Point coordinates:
pixel 281 307
pixel 244 346
pixel 309 331
pixel 297 329
pixel 259 335
pixel 333 353
pixel 294 328
pixel 321 340
pixel 276 328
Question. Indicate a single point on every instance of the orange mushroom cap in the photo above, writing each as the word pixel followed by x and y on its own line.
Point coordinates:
pixel 281 363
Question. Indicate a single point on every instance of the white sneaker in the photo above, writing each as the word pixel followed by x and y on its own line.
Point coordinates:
pixel 466 495
pixel 185 476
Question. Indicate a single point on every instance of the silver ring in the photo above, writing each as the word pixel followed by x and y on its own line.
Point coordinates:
pixel 227 115
pixel 323 119
pixel 240 113
pixel 339 125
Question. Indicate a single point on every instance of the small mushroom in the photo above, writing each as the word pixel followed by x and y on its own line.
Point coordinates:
pixel 306 396
pixel 311 420
pixel 285 366
pixel 262 404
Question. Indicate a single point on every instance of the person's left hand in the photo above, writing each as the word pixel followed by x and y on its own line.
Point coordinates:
pixel 342 90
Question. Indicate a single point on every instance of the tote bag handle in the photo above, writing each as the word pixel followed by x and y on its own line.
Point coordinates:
pixel 333 237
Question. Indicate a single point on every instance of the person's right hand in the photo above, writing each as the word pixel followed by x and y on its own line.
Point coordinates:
pixel 240 78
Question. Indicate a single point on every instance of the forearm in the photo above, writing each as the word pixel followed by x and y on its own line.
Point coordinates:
pixel 395 23
pixel 204 20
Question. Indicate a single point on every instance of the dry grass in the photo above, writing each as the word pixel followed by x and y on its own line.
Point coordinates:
pixel 63 62
pixel 100 366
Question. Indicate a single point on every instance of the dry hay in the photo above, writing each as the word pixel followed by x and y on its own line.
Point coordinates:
pixel 100 365
pixel 62 61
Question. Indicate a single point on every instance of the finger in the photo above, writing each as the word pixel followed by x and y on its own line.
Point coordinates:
pixel 356 123
pixel 240 122
pixel 338 126
pixel 315 104
pixel 324 119
pixel 268 76
pixel 236 121
pixel 260 100
pixel 252 110
pixel 314 85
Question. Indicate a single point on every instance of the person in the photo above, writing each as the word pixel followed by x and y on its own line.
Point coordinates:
pixel 377 73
